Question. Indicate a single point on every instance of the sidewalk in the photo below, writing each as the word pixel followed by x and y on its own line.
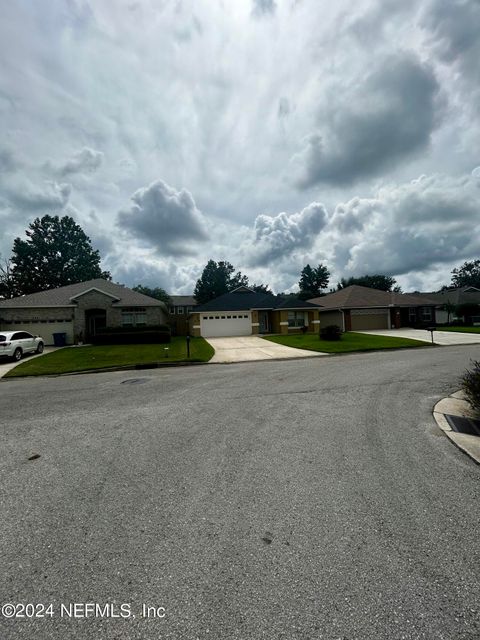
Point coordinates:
pixel 456 405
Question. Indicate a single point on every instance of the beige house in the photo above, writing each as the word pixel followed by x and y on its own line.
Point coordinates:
pixel 245 312
pixel 79 310
pixel 357 308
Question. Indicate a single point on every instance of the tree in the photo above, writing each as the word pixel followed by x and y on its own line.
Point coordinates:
pixel 312 281
pixel 449 307
pixel 57 252
pixel 158 293
pixel 261 288
pixel 376 281
pixel 468 275
pixel 7 287
pixel 217 279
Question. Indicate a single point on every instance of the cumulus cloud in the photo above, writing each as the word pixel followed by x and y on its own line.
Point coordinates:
pixel 277 236
pixel 371 124
pixel 84 161
pixel 164 218
pixel 431 220
pixel 24 195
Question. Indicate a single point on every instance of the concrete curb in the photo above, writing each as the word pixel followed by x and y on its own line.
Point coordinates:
pixel 456 405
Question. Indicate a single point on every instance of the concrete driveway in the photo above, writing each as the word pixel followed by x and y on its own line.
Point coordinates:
pixel 246 348
pixel 6 364
pixel 439 337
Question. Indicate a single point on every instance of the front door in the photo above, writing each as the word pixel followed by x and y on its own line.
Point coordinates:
pixel 95 319
pixel 264 327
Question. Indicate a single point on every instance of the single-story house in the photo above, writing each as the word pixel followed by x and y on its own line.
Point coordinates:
pixel 79 310
pixel 245 312
pixel 356 308
pixel 460 296
pixel 180 309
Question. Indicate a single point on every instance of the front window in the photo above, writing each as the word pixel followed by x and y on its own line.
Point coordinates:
pixel 134 317
pixel 426 313
pixel 296 319
pixel 180 311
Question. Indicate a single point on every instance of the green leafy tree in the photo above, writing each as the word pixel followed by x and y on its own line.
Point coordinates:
pixel 261 288
pixel 468 275
pixel 313 280
pixel 158 293
pixel 376 281
pixel 7 285
pixel 217 278
pixel 57 252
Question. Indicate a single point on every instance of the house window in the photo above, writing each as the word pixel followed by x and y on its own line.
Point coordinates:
pixel 134 317
pixel 172 310
pixel 189 310
pixel 180 311
pixel 412 314
pixel 296 319
pixel 426 314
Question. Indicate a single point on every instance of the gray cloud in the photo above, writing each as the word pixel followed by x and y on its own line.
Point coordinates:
pixel 26 196
pixel 372 125
pixel 431 220
pixel 277 236
pixel 8 162
pixel 165 218
pixel 84 161
pixel 263 7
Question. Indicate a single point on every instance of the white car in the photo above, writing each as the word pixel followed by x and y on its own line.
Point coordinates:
pixel 14 344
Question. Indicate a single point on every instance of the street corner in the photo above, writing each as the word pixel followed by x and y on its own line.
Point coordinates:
pixel 460 423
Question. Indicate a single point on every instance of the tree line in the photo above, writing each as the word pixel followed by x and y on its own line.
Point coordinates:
pixel 57 252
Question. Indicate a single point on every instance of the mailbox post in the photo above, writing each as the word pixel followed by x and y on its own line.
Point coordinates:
pixel 431 329
pixel 188 345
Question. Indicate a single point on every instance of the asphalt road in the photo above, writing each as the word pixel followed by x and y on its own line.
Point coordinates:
pixel 297 499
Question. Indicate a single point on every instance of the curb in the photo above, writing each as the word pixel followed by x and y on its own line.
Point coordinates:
pixel 456 405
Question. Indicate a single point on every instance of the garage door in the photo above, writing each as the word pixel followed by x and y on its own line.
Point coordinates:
pixel 46 329
pixel 369 319
pixel 217 325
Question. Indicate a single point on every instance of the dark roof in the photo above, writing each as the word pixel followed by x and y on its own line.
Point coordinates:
pixel 244 299
pixel 186 301
pixel 358 297
pixel 295 303
pixel 463 295
pixel 239 301
pixel 65 296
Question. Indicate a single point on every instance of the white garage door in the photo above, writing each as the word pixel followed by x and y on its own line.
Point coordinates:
pixel 217 325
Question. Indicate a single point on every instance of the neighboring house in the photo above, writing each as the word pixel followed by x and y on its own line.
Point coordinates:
pixel 462 295
pixel 79 310
pixel 245 312
pixel 356 308
pixel 180 310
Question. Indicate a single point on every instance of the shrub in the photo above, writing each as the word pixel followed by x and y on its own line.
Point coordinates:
pixel 471 385
pixel 132 335
pixel 331 332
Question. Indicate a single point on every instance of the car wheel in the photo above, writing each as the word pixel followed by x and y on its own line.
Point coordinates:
pixel 17 356
pixel 40 347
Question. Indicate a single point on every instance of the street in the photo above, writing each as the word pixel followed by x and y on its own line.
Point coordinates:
pixel 311 499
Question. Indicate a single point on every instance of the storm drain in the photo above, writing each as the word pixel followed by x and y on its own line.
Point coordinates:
pixel 464 425
pixel 135 381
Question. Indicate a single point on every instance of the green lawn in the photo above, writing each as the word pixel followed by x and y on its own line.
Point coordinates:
pixel 350 341
pixel 460 329
pixel 73 359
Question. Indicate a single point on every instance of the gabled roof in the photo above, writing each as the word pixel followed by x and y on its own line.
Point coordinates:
pixel 295 303
pixel 462 295
pixel 65 296
pixel 358 297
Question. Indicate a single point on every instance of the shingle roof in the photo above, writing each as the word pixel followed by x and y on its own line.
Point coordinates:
pixel 62 296
pixel 239 301
pixel 358 297
pixel 244 299
pixel 188 301
pixel 463 295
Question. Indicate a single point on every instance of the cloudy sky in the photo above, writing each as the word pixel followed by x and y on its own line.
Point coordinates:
pixel 270 133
